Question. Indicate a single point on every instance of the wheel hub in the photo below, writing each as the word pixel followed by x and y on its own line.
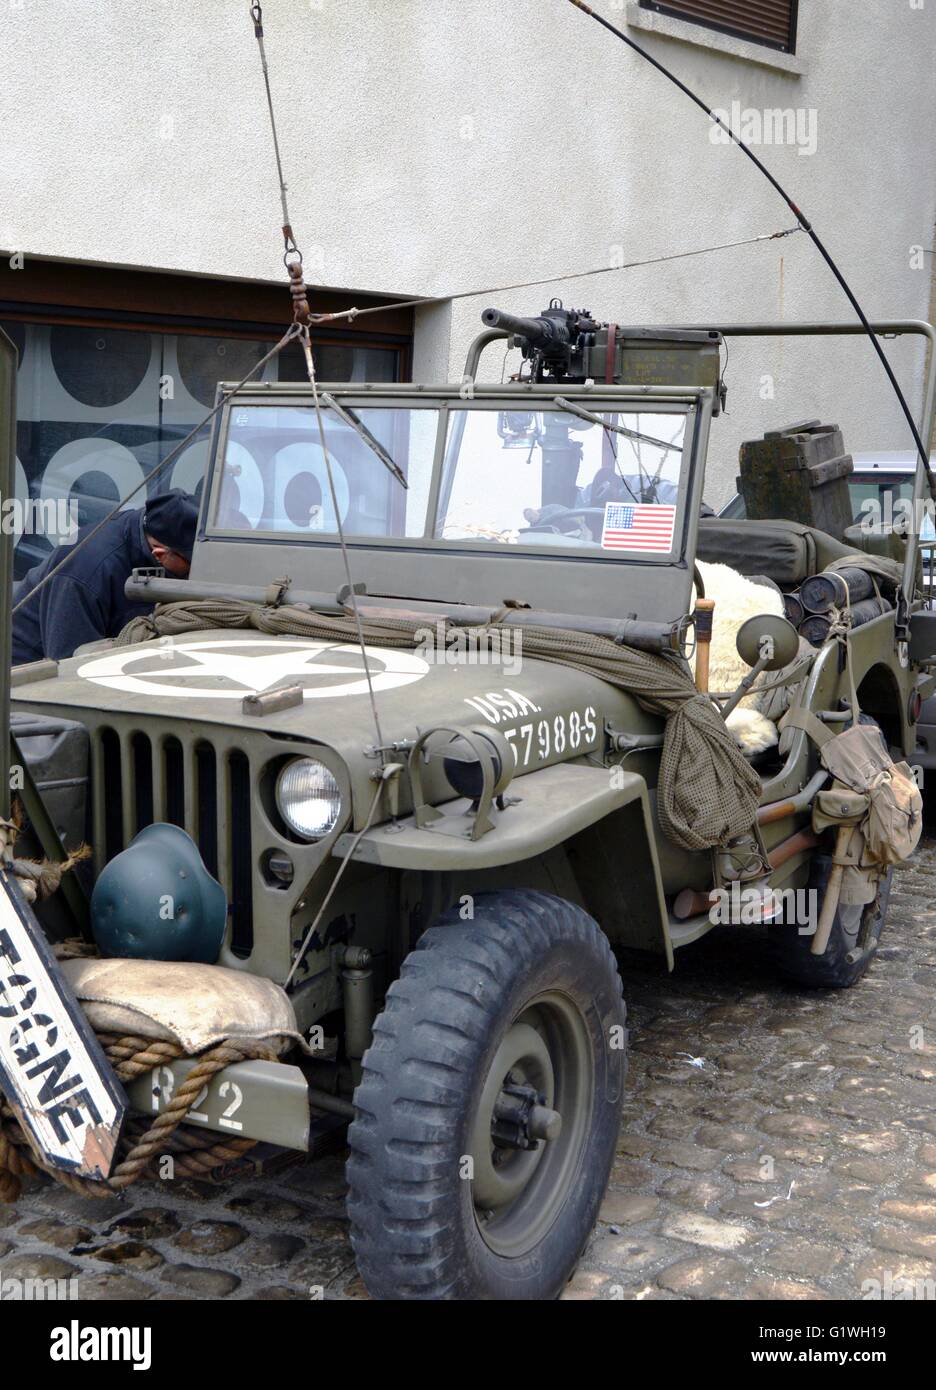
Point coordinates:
pixel 531 1124
pixel 522 1119
pixel 504 1152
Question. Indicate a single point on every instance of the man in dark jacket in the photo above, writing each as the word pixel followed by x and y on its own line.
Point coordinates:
pixel 85 601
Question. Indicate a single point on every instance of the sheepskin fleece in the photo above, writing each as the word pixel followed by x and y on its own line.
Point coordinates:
pixel 737 599
pixel 752 731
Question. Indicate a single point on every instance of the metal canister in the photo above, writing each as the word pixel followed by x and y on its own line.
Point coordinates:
pixel 815 626
pixel 793 608
pixel 835 589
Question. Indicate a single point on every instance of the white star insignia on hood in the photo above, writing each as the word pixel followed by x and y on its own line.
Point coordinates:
pixel 229 669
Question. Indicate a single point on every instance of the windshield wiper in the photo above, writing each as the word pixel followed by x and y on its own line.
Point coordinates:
pixel 584 414
pixel 375 446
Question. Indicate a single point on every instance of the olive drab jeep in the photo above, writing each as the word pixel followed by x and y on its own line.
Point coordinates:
pixel 432 846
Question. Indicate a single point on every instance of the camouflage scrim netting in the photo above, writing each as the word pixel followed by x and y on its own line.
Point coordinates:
pixel 708 793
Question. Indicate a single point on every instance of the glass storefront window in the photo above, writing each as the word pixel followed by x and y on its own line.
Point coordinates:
pixel 98 408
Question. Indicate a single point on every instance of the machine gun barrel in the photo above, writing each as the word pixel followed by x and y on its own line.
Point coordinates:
pixel 540 332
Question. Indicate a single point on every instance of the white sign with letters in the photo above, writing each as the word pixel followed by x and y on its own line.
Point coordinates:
pixel 52 1069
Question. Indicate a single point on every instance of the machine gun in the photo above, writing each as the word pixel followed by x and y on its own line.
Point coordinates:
pixel 569 345
pixel 555 342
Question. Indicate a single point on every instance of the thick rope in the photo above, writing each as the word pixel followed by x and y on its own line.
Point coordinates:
pixel 131 1057
pixel 37 878
pixel 708 792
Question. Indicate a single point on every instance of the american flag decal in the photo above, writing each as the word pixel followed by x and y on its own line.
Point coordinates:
pixel 639 526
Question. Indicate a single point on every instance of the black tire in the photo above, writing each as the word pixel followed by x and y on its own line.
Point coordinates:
pixel 791 952
pixel 530 977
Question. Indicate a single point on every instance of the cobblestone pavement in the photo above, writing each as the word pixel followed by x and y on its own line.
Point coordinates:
pixel 776 1144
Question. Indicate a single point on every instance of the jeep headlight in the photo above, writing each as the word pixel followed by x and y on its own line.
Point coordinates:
pixel 308 798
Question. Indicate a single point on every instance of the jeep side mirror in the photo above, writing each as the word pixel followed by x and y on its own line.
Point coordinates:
pixel 767 641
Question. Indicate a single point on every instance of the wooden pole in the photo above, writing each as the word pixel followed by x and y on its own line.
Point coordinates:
pixel 833 891
pixel 691 901
pixel 704 619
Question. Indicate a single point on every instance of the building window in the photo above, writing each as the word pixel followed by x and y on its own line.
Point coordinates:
pixel 108 385
pixel 98 408
pixel 768 22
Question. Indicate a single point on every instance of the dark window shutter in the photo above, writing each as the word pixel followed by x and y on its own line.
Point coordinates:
pixel 770 22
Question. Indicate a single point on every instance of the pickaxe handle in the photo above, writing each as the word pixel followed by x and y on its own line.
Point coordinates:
pixel 833 889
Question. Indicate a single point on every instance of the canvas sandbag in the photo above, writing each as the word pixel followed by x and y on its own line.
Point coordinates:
pixel 194 1005
pixel 785 551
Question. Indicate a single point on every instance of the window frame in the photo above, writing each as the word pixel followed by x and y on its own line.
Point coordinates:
pixel 33 312
pixel 197 326
pixel 353 398
pixel 675 10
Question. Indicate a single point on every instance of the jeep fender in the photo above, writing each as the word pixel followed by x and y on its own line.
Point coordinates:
pixel 601 815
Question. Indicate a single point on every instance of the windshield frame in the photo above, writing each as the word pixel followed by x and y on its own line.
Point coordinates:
pixel 694 403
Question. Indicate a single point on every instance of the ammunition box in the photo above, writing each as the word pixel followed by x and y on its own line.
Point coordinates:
pixel 799 474
pixel 657 357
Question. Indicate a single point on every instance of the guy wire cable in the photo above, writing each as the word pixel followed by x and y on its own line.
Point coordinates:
pixel 803 221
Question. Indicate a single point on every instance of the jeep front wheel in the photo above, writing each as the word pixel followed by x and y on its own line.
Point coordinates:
pixel 488 1111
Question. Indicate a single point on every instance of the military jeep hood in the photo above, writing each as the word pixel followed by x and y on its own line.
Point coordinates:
pixel 548 711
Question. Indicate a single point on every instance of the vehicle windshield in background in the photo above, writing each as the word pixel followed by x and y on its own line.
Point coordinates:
pixel 547 478
pixel 877 497
pixel 274 476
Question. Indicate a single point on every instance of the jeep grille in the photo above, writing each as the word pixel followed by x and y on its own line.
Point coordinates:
pixel 182 778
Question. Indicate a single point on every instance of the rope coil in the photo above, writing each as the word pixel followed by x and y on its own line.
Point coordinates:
pixel 37 879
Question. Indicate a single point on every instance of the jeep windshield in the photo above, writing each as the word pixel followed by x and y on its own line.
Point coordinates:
pixel 609 481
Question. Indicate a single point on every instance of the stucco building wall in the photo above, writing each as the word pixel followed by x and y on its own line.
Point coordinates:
pixel 435 147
